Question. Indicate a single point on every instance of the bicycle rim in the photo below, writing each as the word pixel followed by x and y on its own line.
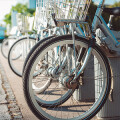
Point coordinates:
pixel 70 108
pixel 18 53
pixel 6 45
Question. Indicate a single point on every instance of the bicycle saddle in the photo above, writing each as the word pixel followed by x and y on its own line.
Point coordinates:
pixel 113 11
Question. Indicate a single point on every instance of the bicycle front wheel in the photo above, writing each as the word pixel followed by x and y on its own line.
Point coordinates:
pixel 60 103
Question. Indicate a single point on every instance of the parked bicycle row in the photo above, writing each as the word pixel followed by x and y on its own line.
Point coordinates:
pixel 62 56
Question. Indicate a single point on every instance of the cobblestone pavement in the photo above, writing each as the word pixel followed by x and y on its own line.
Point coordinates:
pixel 8 104
pixel 12 103
pixel 4 112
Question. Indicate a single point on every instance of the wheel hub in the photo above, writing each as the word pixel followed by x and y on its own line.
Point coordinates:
pixel 52 72
pixel 69 83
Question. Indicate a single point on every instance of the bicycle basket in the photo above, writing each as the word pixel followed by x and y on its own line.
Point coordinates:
pixel 24 23
pixel 70 9
pixel 41 18
pixel 62 9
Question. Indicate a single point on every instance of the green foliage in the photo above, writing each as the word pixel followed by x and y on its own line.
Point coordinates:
pixel 20 8
pixel 7 19
pixel 117 4
pixel 30 12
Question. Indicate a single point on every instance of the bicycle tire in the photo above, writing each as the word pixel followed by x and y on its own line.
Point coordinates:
pixel 37 90
pixel 33 49
pixel 14 59
pixel 5 49
pixel 40 90
pixel 37 108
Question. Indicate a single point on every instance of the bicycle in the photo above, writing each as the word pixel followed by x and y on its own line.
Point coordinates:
pixel 75 54
pixel 19 33
pixel 7 43
pixel 22 46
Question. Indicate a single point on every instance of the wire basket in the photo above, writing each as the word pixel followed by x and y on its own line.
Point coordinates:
pixel 71 9
pixel 24 23
pixel 41 18
pixel 61 9
pixel 36 20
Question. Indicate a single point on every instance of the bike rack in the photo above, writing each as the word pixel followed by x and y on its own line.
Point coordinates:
pixel 111 109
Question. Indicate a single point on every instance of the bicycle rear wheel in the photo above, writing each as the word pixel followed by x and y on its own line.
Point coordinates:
pixel 60 103
pixel 18 53
pixel 6 45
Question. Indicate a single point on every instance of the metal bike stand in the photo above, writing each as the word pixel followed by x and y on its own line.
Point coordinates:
pixel 86 85
pixel 111 109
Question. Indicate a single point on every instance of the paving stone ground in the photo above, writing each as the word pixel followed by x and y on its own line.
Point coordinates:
pixel 8 104
pixel 4 111
pixel 12 103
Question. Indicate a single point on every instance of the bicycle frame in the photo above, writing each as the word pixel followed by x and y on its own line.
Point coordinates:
pixel 99 22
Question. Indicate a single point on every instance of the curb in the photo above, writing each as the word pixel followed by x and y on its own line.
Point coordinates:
pixel 13 108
